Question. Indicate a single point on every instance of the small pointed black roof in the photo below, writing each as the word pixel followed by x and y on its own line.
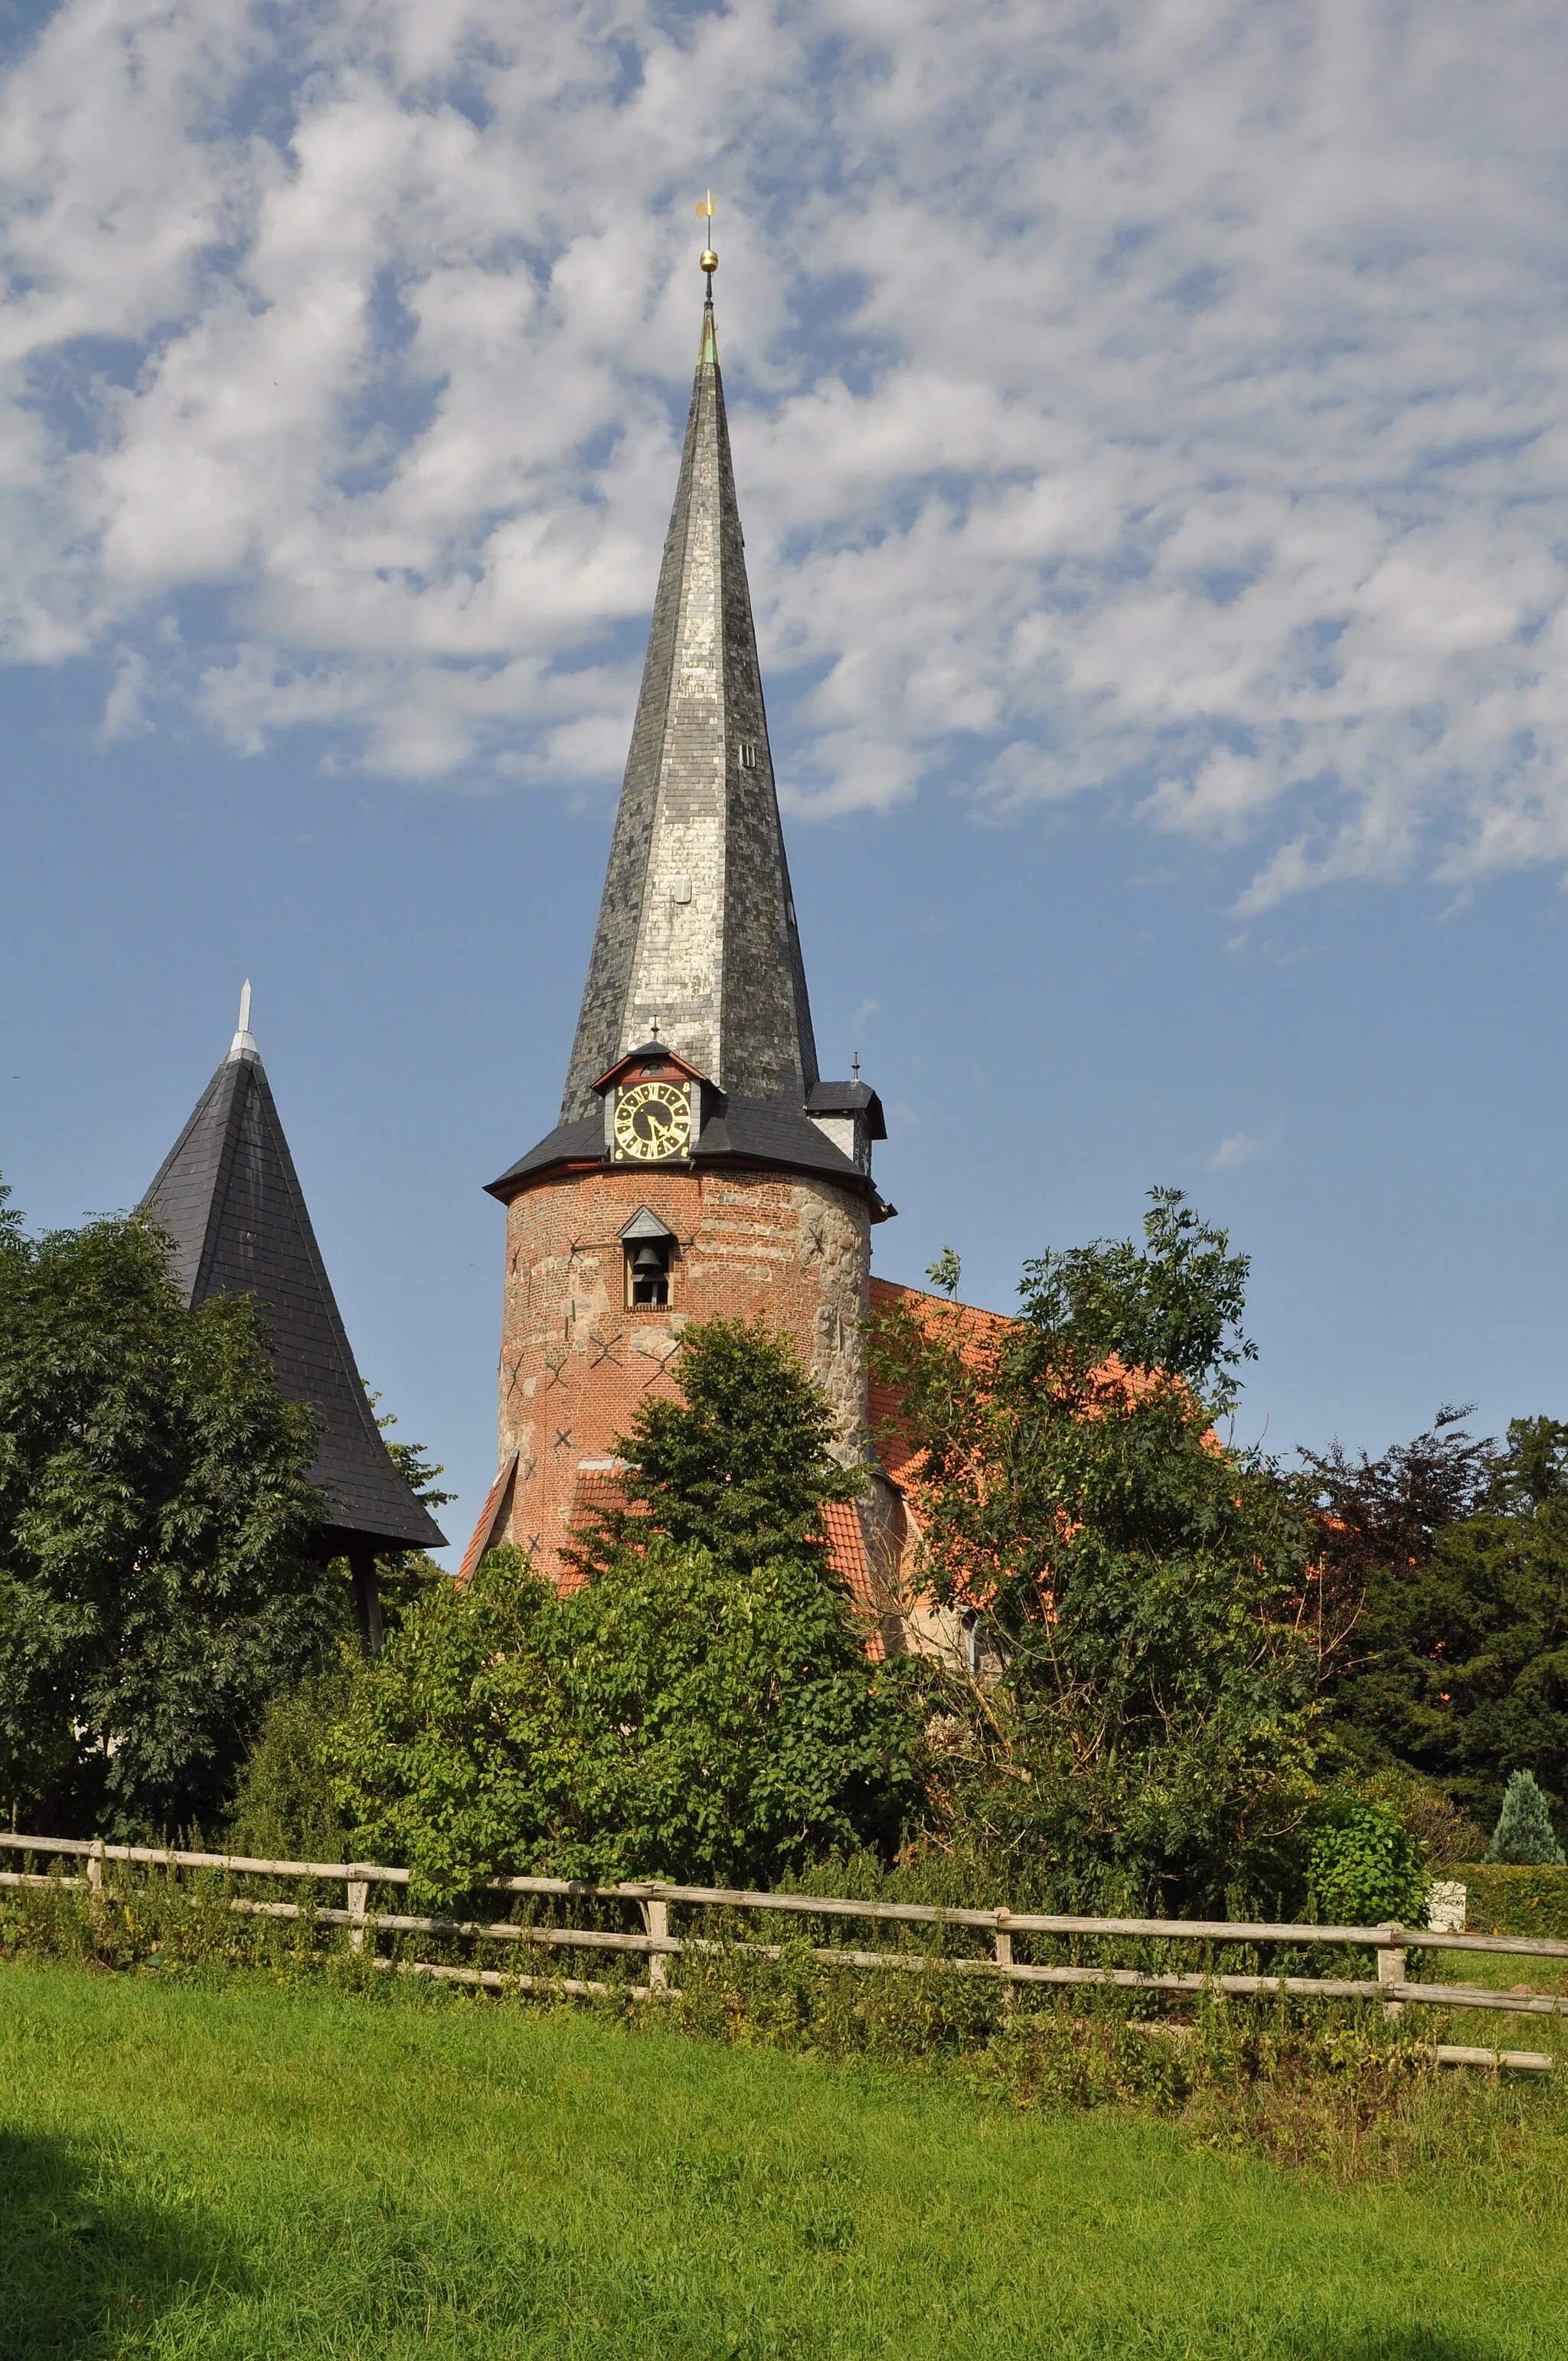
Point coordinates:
pixel 228 1196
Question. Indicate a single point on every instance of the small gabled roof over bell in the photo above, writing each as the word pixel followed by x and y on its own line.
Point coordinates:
pixel 228 1196
pixel 643 1224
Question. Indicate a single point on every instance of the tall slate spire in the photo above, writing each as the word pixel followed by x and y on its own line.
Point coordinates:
pixel 696 931
pixel 228 1196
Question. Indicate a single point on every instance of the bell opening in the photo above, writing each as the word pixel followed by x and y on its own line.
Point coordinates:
pixel 648 1274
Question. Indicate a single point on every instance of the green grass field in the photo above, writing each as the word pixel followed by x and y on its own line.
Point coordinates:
pixel 239 2168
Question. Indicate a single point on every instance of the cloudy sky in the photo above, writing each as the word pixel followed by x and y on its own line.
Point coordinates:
pixel 1149 427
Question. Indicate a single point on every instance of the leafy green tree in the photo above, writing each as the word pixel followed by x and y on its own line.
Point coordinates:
pixel 1459 1663
pixel 703 1707
pixel 1524 1834
pixel 1153 1591
pixel 680 1715
pixel 1174 1304
pixel 742 1466
pixel 157 1580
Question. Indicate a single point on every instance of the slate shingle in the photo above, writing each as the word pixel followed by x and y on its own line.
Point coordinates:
pixel 228 1196
pixel 696 930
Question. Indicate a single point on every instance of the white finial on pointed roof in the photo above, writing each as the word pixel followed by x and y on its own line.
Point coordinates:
pixel 242 1040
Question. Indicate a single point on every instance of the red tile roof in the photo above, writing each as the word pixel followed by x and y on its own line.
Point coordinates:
pixel 976 1331
pixel 847 1548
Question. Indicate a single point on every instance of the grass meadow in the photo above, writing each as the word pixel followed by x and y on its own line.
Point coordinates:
pixel 235 2166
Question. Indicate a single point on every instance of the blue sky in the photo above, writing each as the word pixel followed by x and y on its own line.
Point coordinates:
pixel 1148 430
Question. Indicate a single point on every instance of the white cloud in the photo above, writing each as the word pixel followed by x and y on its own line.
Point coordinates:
pixel 1161 402
pixel 1238 1148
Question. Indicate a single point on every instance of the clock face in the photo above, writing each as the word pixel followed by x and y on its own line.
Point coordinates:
pixel 652 1120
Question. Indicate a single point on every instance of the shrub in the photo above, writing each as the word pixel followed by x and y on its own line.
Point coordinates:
pixel 283 1808
pixel 1524 1835
pixel 1366 1868
pixel 676 1717
pixel 1505 1901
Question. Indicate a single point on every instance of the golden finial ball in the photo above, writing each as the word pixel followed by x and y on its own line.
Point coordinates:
pixel 709 261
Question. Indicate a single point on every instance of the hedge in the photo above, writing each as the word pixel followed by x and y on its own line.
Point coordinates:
pixel 1503 1900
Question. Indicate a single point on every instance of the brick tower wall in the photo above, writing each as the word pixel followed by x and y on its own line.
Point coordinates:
pixel 576 1362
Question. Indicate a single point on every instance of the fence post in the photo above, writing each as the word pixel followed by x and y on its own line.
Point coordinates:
pixel 95 1870
pixel 656 1920
pixel 1004 1960
pixel 358 1897
pixel 1391 1969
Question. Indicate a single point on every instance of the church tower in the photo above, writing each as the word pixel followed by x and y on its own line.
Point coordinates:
pixel 700 1166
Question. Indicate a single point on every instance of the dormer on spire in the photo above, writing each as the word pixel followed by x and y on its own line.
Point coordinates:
pixel 696 928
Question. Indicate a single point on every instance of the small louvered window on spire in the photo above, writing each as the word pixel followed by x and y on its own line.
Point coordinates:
pixel 747 755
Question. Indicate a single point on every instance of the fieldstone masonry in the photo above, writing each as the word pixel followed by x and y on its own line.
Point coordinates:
pixel 576 1361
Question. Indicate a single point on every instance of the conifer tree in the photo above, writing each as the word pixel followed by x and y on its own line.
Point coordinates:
pixel 743 1464
pixel 1524 1835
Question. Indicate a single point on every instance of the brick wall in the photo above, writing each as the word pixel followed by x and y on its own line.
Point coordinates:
pixel 576 1361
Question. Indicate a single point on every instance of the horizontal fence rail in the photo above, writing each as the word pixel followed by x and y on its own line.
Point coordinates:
pixel 655 1943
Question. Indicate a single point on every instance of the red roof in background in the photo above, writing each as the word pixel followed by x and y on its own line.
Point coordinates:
pixel 492 1521
pixel 846 1546
pixel 976 1331
pixel 599 1489
pixel 598 1492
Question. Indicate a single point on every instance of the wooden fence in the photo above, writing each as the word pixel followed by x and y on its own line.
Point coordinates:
pixel 654 1940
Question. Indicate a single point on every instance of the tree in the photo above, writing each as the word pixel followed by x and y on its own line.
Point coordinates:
pixel 404 1575
pixel 703 1707
pixel 681 1716
pixel 1459 1663
pixel 1174 1305
pixel 1379 1515
pixel 1524 1833
pixel 1153 1590
pixel 157 1577
pixel 743 1466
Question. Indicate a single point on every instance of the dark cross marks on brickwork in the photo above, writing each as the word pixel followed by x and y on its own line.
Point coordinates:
pixel 665 1357
pixel 563 1437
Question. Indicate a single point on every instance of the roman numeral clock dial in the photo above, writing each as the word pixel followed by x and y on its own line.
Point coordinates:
pixel 652 1121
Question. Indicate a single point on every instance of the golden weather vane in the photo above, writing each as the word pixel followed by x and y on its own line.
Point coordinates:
pixel 704 211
